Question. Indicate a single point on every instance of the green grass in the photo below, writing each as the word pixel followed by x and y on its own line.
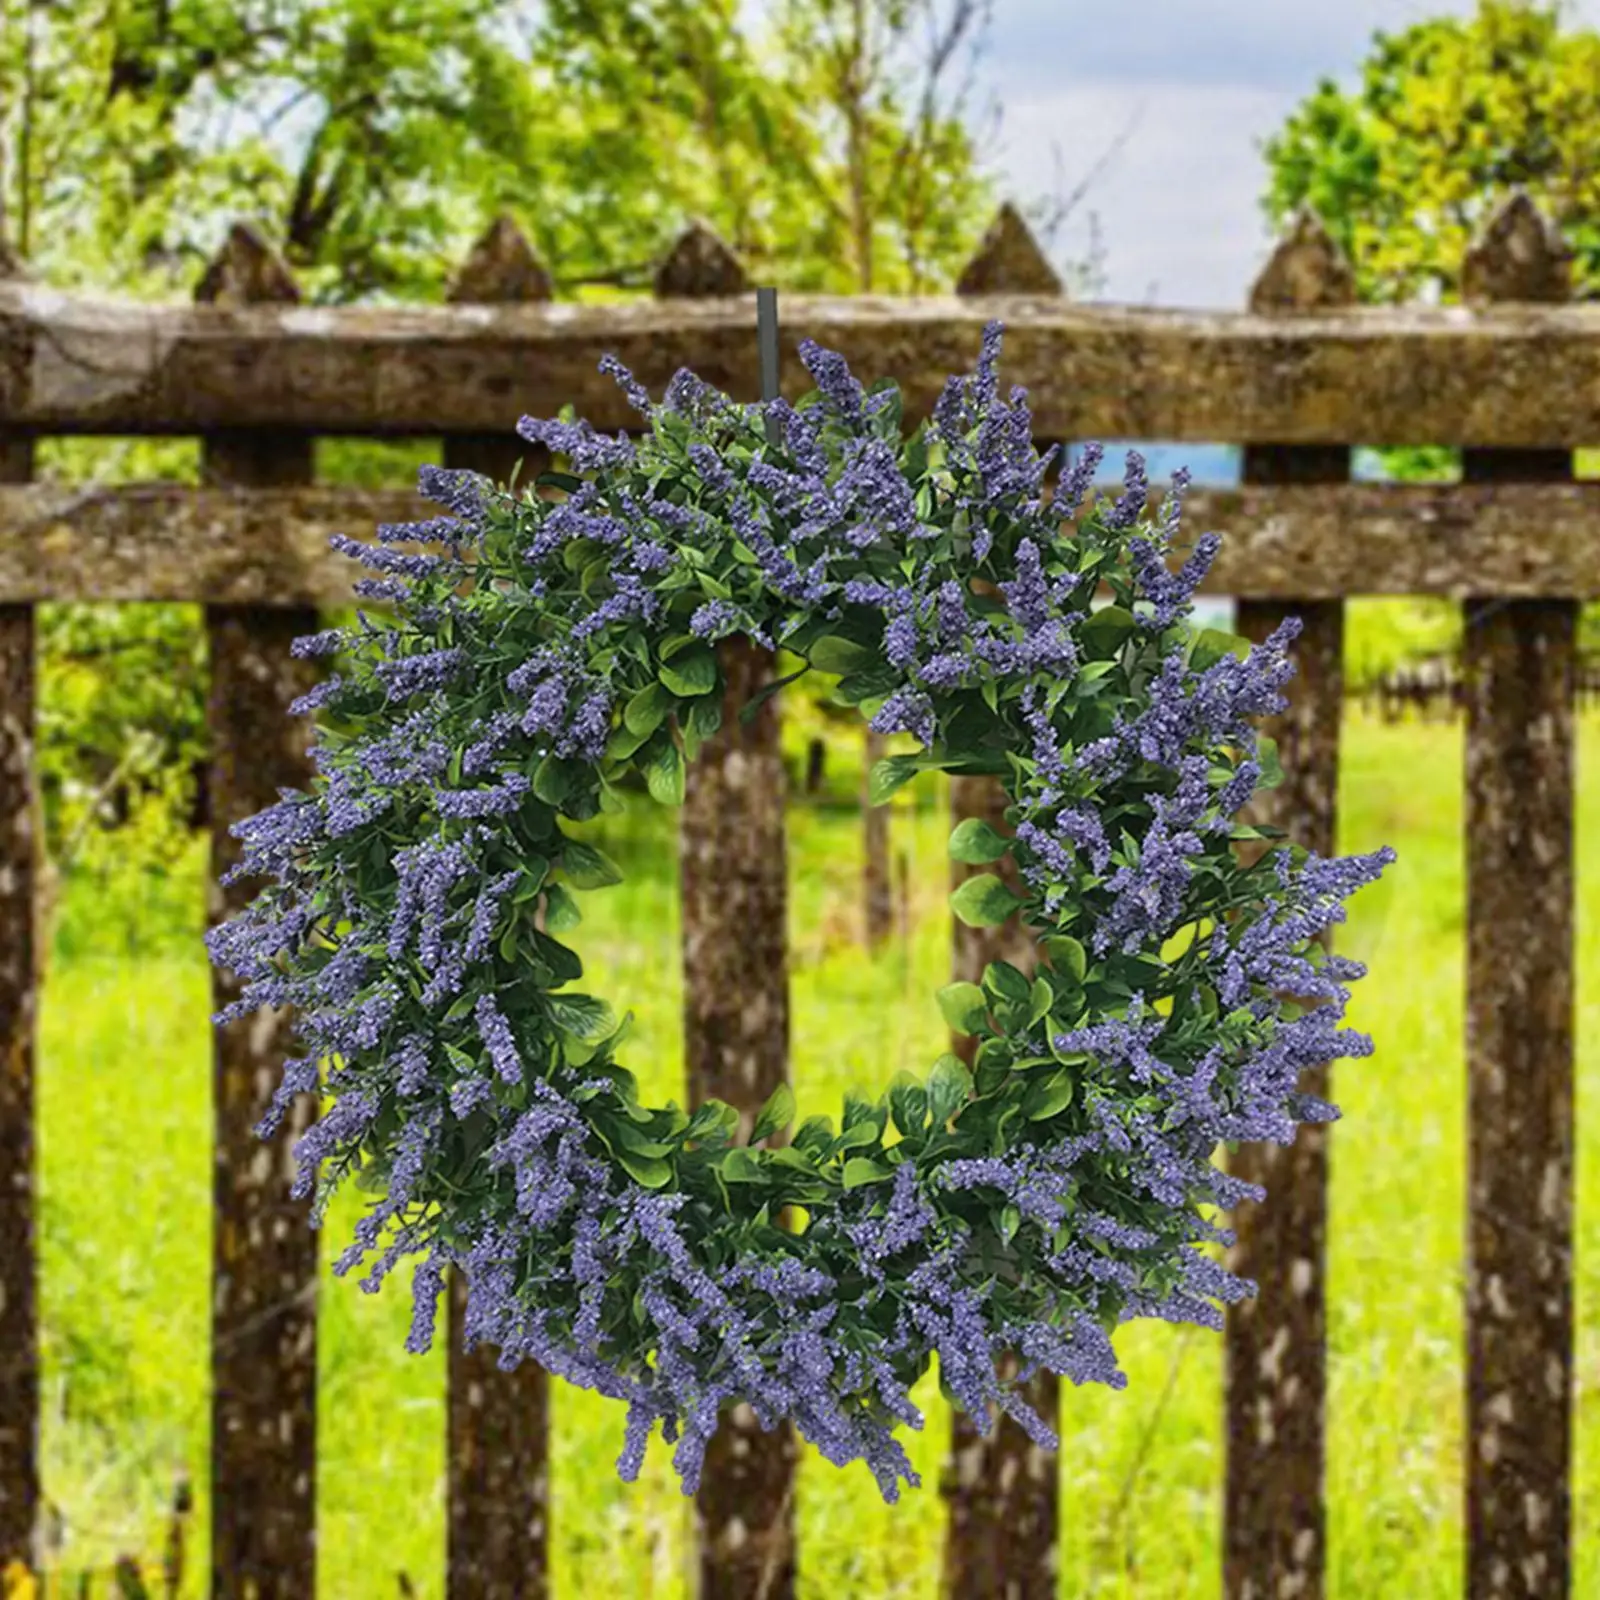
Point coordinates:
pixel 125 1166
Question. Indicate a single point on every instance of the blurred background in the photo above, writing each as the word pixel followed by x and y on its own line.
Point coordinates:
pixel 1156 150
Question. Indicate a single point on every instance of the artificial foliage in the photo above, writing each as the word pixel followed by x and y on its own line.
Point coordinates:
pixel 1060 1187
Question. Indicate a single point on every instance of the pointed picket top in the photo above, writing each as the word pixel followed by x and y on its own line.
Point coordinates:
pixel 1519 254
pixel 1306 271
pixel 246 270
pixel 500 269
pixel 700 264
pixel 1008 260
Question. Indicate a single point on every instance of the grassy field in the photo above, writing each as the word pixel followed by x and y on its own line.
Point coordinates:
pixel 126 1169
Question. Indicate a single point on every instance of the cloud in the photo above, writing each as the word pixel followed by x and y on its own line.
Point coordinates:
pixel 1178 206
pixel 1251 44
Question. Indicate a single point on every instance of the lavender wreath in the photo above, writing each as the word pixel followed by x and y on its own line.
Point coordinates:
pixel 1029 1205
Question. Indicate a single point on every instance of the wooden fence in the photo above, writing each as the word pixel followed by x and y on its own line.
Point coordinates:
pixel 1303 375
pixel 1437 692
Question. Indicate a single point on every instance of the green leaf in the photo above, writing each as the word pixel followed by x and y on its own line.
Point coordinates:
pixel 587 867
pixel 777 1113
pixel 984 901
pixel 742 1166
pixel 1005 982
pixel 711 1117
pixel 624 742
pixel 1212 644
pixel 654 1172
pixel 949 1084
pixel 1042 998
pixel 991 1065
pixel 893 772
pixel 1256 830
pixel 815 1133
pixel 976 843
pixel 860 688
pixel 647 710
pixel 964 1005
pixel 703 717
pixel 858 1136
pixel 859 1170
pixel 665 776
pixel 552 780
pixel 1105 631
pixel 560 909
pixel 748 711
pixel 794 1159
pixel 559 480
pixel 534 870
pixel 836 654
pixel 1010 1221
pixel 692 673
pixel 581 1014
pixel 1067 956
pixel 1267 757
pixel 1046 1096
pixel 908 1104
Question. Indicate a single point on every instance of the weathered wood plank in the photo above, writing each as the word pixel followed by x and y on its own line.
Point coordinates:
pixel 20 965
pixel 497 1529
pixel 1516 376
pixel 1000 1489
pixel 1288 541
pixel 733 873
pixel 264 1256
pixel 1518 670
pixel 1276 1343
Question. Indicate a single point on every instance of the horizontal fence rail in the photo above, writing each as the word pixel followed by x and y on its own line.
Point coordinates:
pixel 1378 375
pixel 1514 377
pixel 165 541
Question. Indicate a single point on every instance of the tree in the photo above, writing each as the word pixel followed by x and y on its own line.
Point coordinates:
pixel 1449 115
pixel 372 139
pixel 880 208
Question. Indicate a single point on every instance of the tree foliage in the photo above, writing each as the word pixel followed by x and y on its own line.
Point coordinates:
pixel 1404 170
pixel 372 141
pixel 1449 115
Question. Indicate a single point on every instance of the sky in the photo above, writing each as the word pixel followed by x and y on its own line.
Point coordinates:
pixel 1197 85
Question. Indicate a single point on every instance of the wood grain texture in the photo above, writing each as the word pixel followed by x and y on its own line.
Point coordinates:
pixel 497 1528
pixel 1517 376
pixel 264 1254
pixel 1518 672
pixel 1281 541
pixel 21 961
pixel 999 1487
pixel 733 869
pixel 1274 1544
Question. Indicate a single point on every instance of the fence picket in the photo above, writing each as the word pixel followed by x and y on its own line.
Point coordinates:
pixel 20 961
pixel 1518 667
pixel 1000 1488
pixel 1276 1379
pixel 733 870
pixel 264 1264
pixel 497 1526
